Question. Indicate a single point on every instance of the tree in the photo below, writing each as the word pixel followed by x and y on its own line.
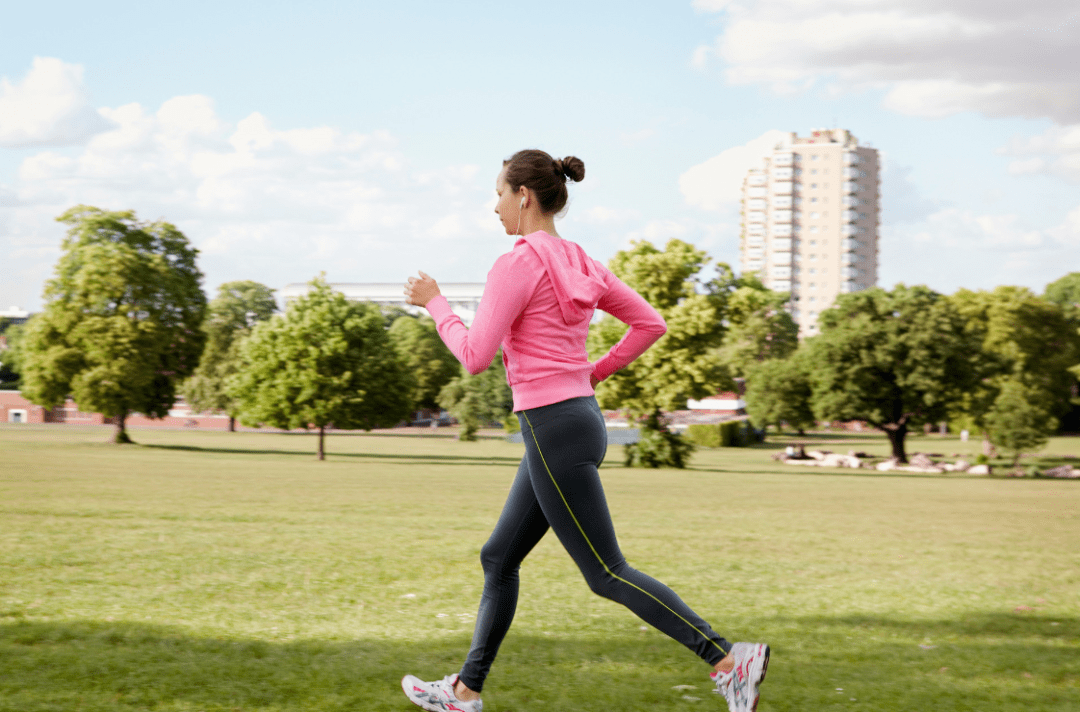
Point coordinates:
pixel 1017 422
pixel 684 363
pixel 1022 338
pixel 9 355
pixel 120 327
pixel 1065 292
pixel 893 359
pixel 325 362
pixel 230 317
pixel 425 357
pixel 759 328
pixel 475 400
pixel 778 391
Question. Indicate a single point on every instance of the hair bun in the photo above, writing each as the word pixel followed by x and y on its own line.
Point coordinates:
pixel 572 167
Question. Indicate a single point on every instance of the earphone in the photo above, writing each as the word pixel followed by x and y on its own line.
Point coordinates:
pixel 521 206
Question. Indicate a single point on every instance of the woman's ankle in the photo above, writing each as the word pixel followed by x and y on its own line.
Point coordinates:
pixel 463 693
pixel 725 665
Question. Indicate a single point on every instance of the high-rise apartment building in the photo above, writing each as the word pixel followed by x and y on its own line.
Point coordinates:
pixel 810 221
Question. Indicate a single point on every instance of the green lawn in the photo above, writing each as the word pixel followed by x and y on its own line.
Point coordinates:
pixel 217 571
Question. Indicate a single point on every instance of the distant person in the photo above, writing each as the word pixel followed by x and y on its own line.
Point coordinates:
pixel 537 304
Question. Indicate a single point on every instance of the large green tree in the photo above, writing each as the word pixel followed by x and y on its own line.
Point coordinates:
pixel 894 359
pixel 1023 339
pixel 684 363
pixel 325 362
pixel 120 327
pixel 759 327
pixel 230 317
pixel 427 361
pixel 779 392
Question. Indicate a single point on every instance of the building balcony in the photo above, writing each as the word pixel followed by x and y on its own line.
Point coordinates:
pixel 783 159
pixel 850 159
pixel 782 201
pixel 850 245
pixel 851 187
pixel 782 230
pixel 781 216
pixel 783 173
pixel 850 216
pixel 781 244
pixel 755 216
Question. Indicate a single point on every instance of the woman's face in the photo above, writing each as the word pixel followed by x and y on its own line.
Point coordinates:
pixel 508 206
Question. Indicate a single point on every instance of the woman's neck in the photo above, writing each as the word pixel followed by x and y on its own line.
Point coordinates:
pixel 533 223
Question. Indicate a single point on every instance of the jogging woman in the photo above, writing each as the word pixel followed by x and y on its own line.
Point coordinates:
pixel 537 304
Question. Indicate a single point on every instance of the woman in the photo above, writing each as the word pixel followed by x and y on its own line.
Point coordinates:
pixel 537 304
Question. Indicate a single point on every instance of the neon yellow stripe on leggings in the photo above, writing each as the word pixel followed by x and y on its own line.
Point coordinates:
pixel 532 431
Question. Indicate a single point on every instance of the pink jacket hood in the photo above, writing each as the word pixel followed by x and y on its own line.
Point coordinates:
pixel 578 279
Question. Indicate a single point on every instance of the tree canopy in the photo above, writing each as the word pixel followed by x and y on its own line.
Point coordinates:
pixel 121 323
pixel 1022 339
pixel 894 359
pixel 475 400
pixel 428 363
pixel 684 362
pixel 230 317
pixel 779 392
pixel 325 362
pixel 759 327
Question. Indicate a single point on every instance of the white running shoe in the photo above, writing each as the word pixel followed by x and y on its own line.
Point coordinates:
pixel 740 686
pixel 437 696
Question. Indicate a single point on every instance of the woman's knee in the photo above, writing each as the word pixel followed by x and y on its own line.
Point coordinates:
pixel 493 560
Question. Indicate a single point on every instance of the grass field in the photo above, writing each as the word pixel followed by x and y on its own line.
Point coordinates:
pixel 217 571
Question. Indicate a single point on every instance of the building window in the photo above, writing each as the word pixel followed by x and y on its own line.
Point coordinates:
pixel 813 185
pixel 813 228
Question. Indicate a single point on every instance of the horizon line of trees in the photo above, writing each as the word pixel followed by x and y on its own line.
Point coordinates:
pixel 126 327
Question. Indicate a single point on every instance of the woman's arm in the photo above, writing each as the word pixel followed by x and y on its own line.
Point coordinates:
pixel 504 299
pixel 646 326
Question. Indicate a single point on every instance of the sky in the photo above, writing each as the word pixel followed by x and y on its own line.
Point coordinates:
pixel 363 139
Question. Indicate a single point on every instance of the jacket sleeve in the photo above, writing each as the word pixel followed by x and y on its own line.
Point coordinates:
pixel 503 300
pixel 646 326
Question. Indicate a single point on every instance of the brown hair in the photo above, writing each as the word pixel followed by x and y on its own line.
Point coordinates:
pixel 544 175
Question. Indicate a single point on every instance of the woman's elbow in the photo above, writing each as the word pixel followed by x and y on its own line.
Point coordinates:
pixel 658 327
pixel 475 367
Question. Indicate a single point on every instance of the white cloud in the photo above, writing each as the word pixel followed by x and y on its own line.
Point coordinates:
pixel 718 181
pixel 956 248
pixel 275 205
pixel 50 106
pixel 1055 152
pixel 932 57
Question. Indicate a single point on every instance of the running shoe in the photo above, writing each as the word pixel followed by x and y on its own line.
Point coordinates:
pixel 740 686
pixel 437 696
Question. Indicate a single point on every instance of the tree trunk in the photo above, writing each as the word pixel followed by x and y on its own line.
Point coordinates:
pixel 988 448
pixel 121 436
pixel 232 424
pixel 897 432
pixel 322 431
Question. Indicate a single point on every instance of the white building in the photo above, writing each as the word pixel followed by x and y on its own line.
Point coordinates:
pixel 810 221
pixel 464 297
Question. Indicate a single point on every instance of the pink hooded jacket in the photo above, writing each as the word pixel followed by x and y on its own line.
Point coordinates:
pixel 537 304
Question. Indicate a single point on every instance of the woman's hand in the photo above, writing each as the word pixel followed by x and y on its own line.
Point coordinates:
pixel 421 290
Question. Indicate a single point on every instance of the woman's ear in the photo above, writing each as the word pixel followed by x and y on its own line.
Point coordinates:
pixel 524 193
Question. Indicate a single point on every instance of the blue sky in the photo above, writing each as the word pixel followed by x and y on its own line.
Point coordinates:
pixel 363 139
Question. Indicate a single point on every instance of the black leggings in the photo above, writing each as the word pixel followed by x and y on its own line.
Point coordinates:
pixel 558 486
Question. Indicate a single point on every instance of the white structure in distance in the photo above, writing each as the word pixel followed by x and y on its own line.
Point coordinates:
pixel 464 297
